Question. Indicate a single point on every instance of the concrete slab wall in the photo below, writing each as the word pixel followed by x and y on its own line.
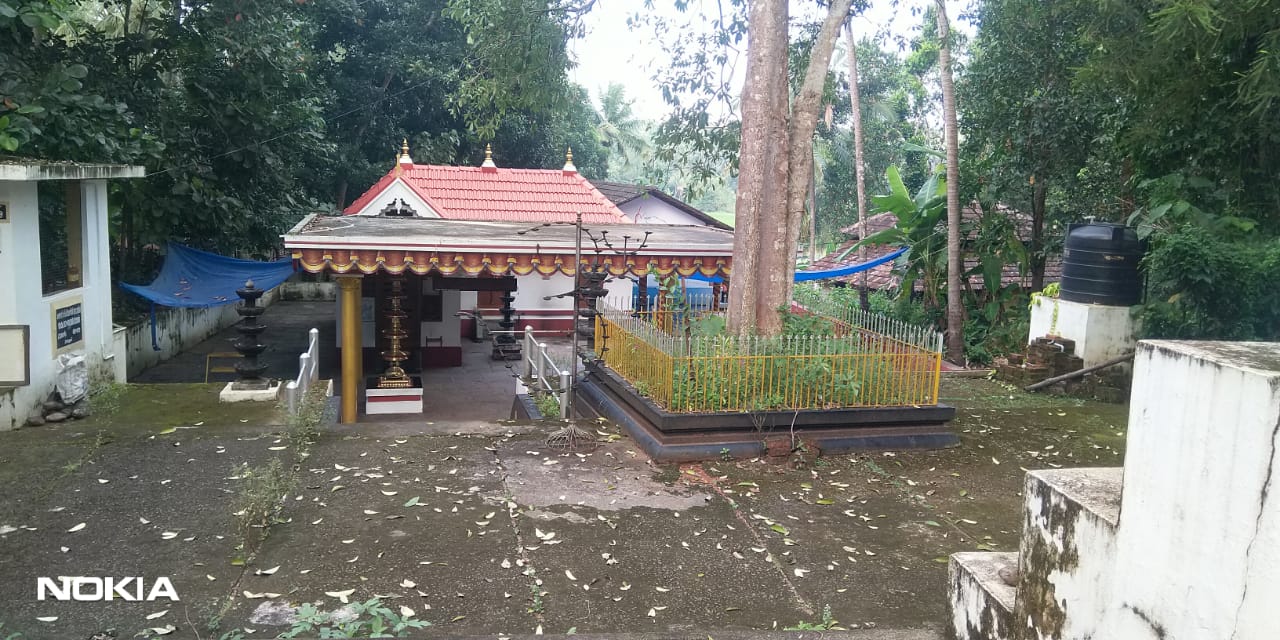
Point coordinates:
pixel 1198 551
pixel 177 330
pixel 981 602
pixel 1100 332
pixel 1187 547
pixel 1067 552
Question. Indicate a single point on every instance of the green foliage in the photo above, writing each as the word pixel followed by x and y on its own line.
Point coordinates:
pixel 617 127
pixel 833 372
pixel 548 405
pixel 258 501
pixel 8 635
pixel 249 115
pixel 536 605
pixel 1202 285
pixel 518 59
pixel 919 217
pixel 304 426
pixel 372 619
pixel 895 105
pixel 827 623
pixel 1192 87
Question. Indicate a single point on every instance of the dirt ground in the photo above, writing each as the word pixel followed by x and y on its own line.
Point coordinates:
pixel 491 533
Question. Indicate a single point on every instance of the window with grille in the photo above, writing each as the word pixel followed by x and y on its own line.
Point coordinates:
pixel 60 236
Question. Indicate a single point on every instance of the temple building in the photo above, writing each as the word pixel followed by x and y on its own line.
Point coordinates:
pixel 429 249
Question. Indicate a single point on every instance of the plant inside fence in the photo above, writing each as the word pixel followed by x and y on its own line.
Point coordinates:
pixel 825 359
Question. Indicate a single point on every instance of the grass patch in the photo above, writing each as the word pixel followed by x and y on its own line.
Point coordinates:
pixel 373 619
pixel 826 623
pixel 261 498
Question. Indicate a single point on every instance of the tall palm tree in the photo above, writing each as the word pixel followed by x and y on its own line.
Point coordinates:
pixel 859 165
pixel 617 128
pixel 955 309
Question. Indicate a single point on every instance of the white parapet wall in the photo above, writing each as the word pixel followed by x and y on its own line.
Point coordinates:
pixel 1101 332
pixel 1198 548
pixel 178 330
pixel 1067 551
pixel 1183 543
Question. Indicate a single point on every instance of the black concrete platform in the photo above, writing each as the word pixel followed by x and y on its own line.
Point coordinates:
pixel 668 436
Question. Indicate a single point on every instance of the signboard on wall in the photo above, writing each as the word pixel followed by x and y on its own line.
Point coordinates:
pixel 15 371
pixel 68 324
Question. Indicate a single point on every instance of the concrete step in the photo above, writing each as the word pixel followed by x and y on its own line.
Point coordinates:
pixel 981 601
pixel 1068 549
pixel 1066 553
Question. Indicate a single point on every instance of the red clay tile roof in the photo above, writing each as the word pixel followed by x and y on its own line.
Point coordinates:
pixel 513 195
pixel 882 277
pixel 875 224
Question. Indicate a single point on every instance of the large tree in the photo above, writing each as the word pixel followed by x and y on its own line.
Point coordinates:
pixel 893 106
pixel 859 164
pixel 775 162
pixel 955 262
pixel 1029 127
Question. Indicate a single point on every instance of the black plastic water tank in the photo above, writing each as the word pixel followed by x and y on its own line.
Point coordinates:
pixel 1100 264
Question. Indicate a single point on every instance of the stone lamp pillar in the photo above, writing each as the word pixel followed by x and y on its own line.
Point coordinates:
pixel 505 344
pixel 248 344
pixel 591 291
pixel 251 386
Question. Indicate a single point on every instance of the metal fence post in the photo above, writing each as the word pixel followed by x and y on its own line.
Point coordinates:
pixel 304 361
pixel 537 364
pixel 528 351
pixel 566 382
pixel 313 348
pixel 291 392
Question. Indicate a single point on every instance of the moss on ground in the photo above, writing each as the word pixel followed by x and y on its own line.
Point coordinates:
pixel 148 407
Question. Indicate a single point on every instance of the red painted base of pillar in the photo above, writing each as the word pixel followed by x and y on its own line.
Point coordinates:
pixel 436 357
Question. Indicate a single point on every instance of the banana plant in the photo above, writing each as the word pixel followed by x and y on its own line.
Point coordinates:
pixel 920 228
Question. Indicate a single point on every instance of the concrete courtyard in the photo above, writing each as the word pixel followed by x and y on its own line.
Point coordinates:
pixel 482 531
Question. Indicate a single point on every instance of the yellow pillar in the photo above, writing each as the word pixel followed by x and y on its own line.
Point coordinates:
pixel 352 349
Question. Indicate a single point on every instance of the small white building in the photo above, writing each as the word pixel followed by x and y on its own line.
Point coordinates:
pixel 652 205
pixel 55 278
pixel 490 193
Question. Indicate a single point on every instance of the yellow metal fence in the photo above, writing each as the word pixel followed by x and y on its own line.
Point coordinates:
pixel 707 374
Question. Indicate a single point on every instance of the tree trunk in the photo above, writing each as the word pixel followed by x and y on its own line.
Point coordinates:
pixel 775 159
pixel 813 212
pixel 762 163
pixel 1038 189
pixel 955 307
pixel 804 121
pixel 859 163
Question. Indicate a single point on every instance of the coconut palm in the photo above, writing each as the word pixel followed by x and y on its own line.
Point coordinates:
pixel 618 129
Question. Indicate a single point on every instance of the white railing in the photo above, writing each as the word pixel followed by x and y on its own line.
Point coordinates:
pixel 308 372
pixel 538 364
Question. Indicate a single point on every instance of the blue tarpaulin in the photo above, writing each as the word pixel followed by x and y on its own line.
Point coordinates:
pixel 805 276
pixel 194 278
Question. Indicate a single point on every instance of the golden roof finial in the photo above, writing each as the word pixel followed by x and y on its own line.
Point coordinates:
pixel 488 158
pixel 404 158
pixel 568 162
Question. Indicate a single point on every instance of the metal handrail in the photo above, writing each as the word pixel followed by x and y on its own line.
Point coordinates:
pixel 536 365
pixel 308 372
